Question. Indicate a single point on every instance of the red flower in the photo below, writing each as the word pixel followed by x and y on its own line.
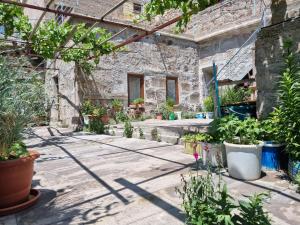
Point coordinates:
pixel 196 155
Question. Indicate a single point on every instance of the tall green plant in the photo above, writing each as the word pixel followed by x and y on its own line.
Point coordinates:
pixel 287 113
pixel 21 99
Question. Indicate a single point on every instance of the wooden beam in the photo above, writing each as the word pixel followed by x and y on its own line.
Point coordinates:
pixel 229 82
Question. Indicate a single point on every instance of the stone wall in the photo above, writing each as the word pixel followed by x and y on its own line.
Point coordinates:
pixel 285 23
pixel 269 62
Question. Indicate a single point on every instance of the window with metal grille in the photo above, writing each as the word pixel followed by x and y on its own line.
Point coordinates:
pixel 60 18
pixel 137 8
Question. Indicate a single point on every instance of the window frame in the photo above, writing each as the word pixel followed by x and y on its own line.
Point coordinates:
pixel 135 10
pixel 176 88
pixel 142 87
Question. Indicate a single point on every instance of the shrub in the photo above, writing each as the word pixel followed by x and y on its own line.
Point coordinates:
pixel 87 108
pixel 235 95
pixel 97 126
pixel 206 202
pixel 99 111
pixel 128 129
pixel 233 130
pixel 208 104
pixel 117 105
pixel 21 100
pixel 288 111
pixel 121 117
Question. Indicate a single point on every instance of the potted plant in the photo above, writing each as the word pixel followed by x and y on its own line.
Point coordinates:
pixel 190 144
pixel 288 111
pixel 208 104
pixel 87 110
pixel 273 150
pixel 170 107
pixel 243 149
pixel 19 101
pixel 117 105
pixel 138 102
pixel 100 112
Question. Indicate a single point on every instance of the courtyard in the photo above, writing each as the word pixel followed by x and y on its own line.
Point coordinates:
pixel 100 179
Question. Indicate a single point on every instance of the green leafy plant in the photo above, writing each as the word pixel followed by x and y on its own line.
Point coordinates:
pixel 117 105
pixel 186 8
pixel 235 95
pixel 121 116
pixel 99 111
pixel 138 101
pixel 141 133
pixel 128 129
pixel 297 182
pixel 50 38
pixel 233 130
pixel 21 100
pixel 287 113
pixel 208 104
pixel 207 202
pixel 87 108
pixel 170 102
pixel 97 126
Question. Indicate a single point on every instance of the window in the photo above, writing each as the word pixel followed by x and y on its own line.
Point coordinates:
pixel 135 87
pixel 59 17
pixel 172 88
pixel 137 8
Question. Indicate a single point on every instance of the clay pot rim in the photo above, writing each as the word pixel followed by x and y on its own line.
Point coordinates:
pixel 12 162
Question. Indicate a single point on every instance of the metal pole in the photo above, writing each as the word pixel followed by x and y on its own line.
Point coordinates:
pixel 217 99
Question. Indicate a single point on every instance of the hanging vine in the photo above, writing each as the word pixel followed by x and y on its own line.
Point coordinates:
pixel 186 7
pixel 50 38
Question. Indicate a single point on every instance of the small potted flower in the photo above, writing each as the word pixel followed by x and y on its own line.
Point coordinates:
pixel 117 105
pixel 100 112
pixel 138 102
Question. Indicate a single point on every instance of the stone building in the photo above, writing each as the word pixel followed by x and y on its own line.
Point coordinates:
pixel 159 65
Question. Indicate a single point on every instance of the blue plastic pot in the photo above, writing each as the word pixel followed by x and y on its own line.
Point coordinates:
pixel 271 155
pixel 294 168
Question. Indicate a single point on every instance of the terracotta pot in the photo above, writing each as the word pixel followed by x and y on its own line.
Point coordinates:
pixel 105 119
pixel 15 179
pixel 159 117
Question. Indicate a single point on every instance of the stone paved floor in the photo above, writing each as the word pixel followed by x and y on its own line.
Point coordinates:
pixel 98 179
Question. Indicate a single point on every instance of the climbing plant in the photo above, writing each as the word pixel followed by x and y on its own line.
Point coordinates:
pixel 50 38
pixel 186 7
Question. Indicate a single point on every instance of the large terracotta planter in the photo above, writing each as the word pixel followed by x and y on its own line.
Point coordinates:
pixel 15 179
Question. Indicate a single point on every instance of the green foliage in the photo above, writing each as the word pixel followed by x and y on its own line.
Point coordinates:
pixel 233 130
pixel 270 130
pixel 199 137
pixel 186 7
pixel 50 37
pixel 208 203
pixel 165 110
pixel 97 126
pixel 121 116
pixel 188 115
pixel 21 100
pixel 170 102
pixel 13 20
pixel 138 101
pixel 117 105
pixel 235 95
pixel 99 111
pixel 287 114
pixel 87 108
pixel 141 133
pixel 208 104
pixel 128 129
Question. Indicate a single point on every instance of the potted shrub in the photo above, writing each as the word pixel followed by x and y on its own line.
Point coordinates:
pixel 100 112
pixel 117 105
pixel 87 110
pixel 243 149
pixel 170 107
pixel 288 111
pixel 190 144
pixel 138 102
pixel 208 104
pixel 19 101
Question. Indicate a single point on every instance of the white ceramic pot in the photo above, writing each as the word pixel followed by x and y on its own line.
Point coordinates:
pixel 86 120
pixel 209 115
pixel 244 161
pixel 178 114
pixel 213 154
